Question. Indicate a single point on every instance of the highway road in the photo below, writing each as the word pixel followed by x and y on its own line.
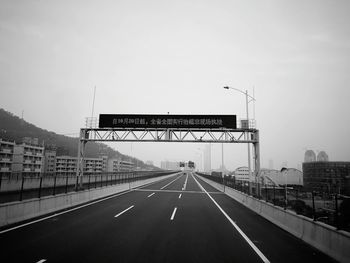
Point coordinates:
pixel 179 219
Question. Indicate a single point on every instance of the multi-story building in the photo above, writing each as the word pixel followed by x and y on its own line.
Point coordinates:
pixel 117 165
pixel 104 163
pixel 242 174
pixel 6 156
pixel 50 162
pixel 67 165
pixel 168 165
pixel 112 165
pixel 28 159
pixel 330 177
pixel 93 165
pixel 125 166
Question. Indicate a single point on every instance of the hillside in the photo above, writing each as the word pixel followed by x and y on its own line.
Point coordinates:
pixel 15 129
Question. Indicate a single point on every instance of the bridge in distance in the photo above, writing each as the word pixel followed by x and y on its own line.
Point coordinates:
pixel 178 219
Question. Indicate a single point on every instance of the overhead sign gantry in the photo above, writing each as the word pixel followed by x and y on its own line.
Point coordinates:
pixel 169 128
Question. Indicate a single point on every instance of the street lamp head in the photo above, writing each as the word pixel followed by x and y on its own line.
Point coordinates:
pixel 226 87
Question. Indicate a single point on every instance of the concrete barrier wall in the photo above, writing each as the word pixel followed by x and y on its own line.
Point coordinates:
pixel 13 184
pixel 19 211
pixel 329 240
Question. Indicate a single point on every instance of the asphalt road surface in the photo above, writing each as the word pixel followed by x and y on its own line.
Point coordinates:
pixel 179 219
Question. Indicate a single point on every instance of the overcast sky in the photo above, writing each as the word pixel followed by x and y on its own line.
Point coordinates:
pixel 175 56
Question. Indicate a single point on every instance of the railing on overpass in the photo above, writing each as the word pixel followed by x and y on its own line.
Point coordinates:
pixel 332 209
pixel 18 187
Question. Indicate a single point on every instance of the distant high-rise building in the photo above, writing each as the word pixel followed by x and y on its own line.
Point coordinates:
pixel 149 162
pixel 322 157
pixel 310 156
pixel 167 165
pixel 271 164
pixel 207 158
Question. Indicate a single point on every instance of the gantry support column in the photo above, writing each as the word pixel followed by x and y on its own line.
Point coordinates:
pixel 83 136
pixel 257 173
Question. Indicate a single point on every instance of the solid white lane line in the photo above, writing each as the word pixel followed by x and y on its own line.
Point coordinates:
pixel 173 214
pixel 124 211
pixel 180 196
pixel 170 182
pixel 252 245
pixel 41 261
pixel 150 195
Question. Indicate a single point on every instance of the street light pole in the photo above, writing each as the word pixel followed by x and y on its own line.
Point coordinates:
pixel 246 133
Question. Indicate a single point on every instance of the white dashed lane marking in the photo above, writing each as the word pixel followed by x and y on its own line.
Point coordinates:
pixel 173 214
pixel 124 211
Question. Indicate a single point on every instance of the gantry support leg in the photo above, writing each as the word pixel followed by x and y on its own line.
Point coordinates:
pixel 257 173
pixel 80 159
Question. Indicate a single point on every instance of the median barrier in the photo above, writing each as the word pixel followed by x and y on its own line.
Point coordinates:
pixel 18 211
pixel 329 240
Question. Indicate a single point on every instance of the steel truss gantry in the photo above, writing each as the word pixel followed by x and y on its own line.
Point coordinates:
pixel 168 135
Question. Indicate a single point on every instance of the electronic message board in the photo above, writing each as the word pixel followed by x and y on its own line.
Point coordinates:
pixel 147 121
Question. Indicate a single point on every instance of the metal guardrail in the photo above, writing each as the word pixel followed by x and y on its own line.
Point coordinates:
pixel 331 209
pixel 19 188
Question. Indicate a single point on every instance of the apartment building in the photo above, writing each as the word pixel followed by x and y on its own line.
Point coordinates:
pixel 242 174
pixel 67 165
pixel 126 166
pixel 50 162
pixel 28 159
pixel 104 163
pixel 6 156
pixel 117 165
pixel 93 165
